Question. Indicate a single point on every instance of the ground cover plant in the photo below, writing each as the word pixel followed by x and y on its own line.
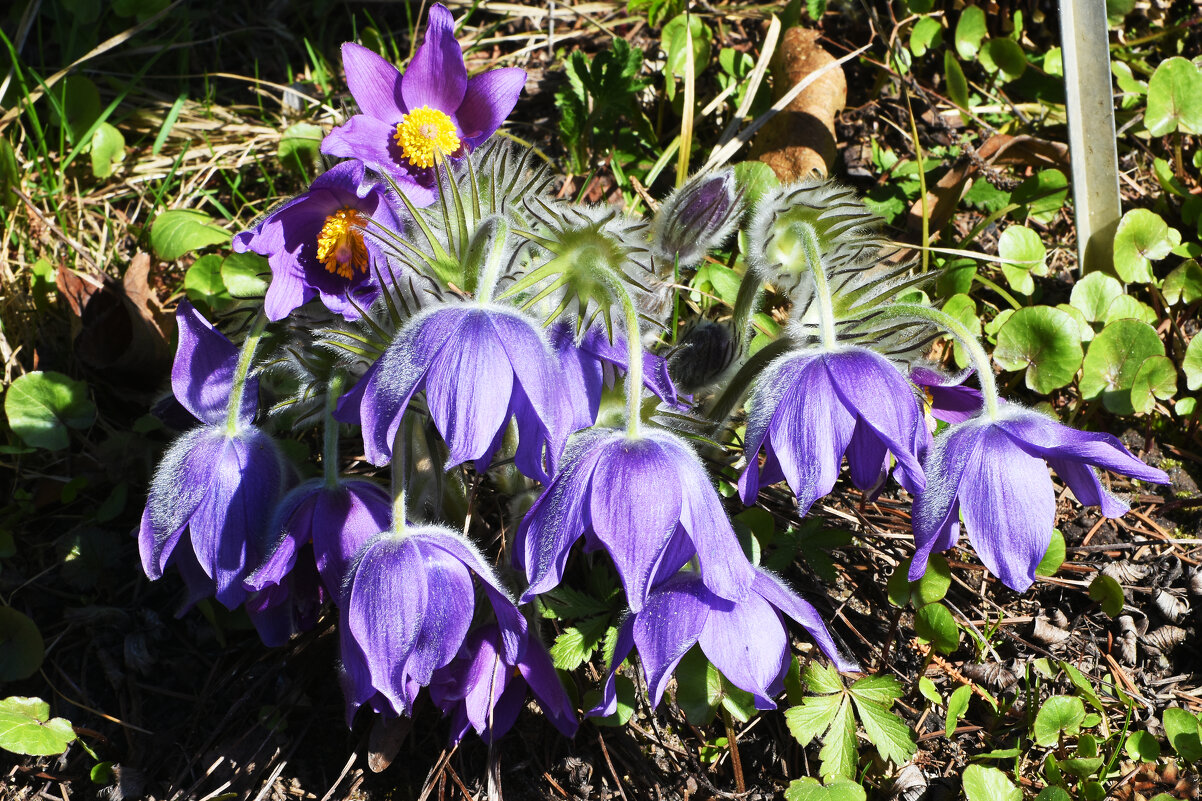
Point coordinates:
pixel 454 400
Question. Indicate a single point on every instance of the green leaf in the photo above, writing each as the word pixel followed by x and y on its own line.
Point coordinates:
pixel 673 41
pixel 1020 244
pixel 934 583
pixel 1053 793
pixel 926 33
pixel 970 30
pixel 1084 686
pixel 822 679
pixel 1114 359
pixel 1155 379
pixel 21 645
pixel 935 624
pixel 808 789
pixel 27 728
pixel 1181 729
pixel 181 231
pixel 203 283
pixel 1142 237
pixel 1174 98
pixel 1183 284
pixel 753 179
pixel 897 588
pixel 812 717
pixel 79 102
pixel 626 703
pixel 1094 293
pixel 879 690
pixel 1043 340
pixel 245 275
pixel 957 705
pixel 989 784
pixel 300 148
pixel 927 689
pixel 1125 307
pixel 1084 329
pixel 962 308
pixel 1041 196
pixel 1053 557
pixel 108 148
pixel 892 738
pixel 1004 56
pixel 41 406
pixel 577 643
pixel 698 687
pixel 1109 593
pixel 1191 363
pixel 1142 746
pixel 1080 767
pixel 838 754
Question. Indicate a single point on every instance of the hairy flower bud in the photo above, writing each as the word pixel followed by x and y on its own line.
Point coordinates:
pixel 695 218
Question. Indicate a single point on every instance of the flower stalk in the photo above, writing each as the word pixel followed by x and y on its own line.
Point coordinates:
pixel 233 422
pixel 329 450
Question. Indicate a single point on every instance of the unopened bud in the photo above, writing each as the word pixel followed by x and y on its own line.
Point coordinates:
pixel 695 218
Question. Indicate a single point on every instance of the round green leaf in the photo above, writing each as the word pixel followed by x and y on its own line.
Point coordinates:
pixel 897 588
pixel 1106 591
pixel 1182 731
pixel 1043 340
pixel 1053 793
pixel 935 624
pixel 1042 195
pixel 934 583
pixel 1004 56
pixel 963 308
pixel 181 231
pixel 1060 713
pixel 1084 329
pixel 1184 284
pixel 21 645
pixel 245 275
pixel 300 147
pixel 1022 245
pixel 989 784
pixel 754 178
pixel 839 789
pixel 1126 307
pixel 1191 363
pixel 1093 295
pixel 1142 237
pixel 41 406
pixel 957 84
pixel 80 101
pixel 1114 359
pixel 1053 558
pixel 108 148
pixel 970 30
pixel 926 33
pixel 1174 98
pixel 1184 407
pixel 204 285
pixel 1142 746
pixel 27 728
pixel 1155 379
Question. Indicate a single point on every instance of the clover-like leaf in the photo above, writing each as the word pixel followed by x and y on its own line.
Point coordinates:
pixel 1127 307
pixel 108 148
pixel 1094 293
pixel 27 728
pixel 1142 238
pixel 1060 713
pixel 1044 341
pixel 1174 98
pixel 1022 245
pixel 1114 359
pixel 1155 380
pixel 1183 284
pixel 1004 56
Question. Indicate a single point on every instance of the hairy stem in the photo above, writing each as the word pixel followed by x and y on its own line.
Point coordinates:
pixel 241 372
pixel 398 480
pixel 329 450
pixel 822 289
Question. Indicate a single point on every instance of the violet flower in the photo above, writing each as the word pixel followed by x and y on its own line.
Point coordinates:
pixel 406 609
pixel 480 367
pixel 317 248
pixel 994 472
pixel 408 121
pixel 696 218
pixel 746 640
pixel 202 375
pixel 647 501
pixel 483 690
pixel 948 398
pixel 809 408
pixel 336 521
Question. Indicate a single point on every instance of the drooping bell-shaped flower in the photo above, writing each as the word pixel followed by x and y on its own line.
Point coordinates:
pixel 480 366
pixel 696 218
pixel 948 398
pixel 406 610
pixel 809 408
pixel 481 689
pixel 647 501
pixel 202 375
pixel 746 639
pixel 995 474
pixel 325 243
pixel 406 122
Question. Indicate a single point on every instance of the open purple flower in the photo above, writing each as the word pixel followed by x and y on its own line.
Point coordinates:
pixel 809 408
pixel 483 690
pixel 647 501
pixel 406 610
pixel 336 520
pixel 995 473
pixel 408 121
pixel 317 248
pixel 746 639
pixel 480 367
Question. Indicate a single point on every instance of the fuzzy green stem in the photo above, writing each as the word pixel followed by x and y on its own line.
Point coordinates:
pixel 490 267
pixel 980 359
pixel 634 369
pixel 822 290
pixel 241 372
pixel 398 480
pixel 329 451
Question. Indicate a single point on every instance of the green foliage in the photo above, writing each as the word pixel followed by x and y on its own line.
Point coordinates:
pixel 1022 245
pixel 656 10
pixel 599 93
pixel 27 728
pixel 108 148
pixel 42 406
pixel 1044 341
pixel 989 784
pixel 1106 591
pixel 23 646
pixel 702 690
pixel 1053 558
pixel 935 624
pixel 1174 98
pixel 1060 714
pixel 808 789
pixel 175 233
pixel 300 148
pixel 1183 731
pixel 1113 361
pixel 1142 237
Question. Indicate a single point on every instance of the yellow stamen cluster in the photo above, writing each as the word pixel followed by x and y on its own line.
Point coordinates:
pixel 424 134
pixel 340 244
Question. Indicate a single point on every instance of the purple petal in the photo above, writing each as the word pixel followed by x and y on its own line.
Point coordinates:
pixel 370 141
pixel 489 99
pixel 202 375
pixel 609 694
pixel 668 626
pixel 450 601
pixel 936 510
pixel 343 520
pixel 180 483
pixel 1043 437
pixel 866 455
pixel 748 643
pixel 534 366
pixel 374 83
pixel 1083 481
pixel 777 593
pixel 539 672
pixel 436 77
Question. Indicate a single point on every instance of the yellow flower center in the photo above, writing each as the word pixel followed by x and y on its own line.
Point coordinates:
pixel 340 244
pixel 425 134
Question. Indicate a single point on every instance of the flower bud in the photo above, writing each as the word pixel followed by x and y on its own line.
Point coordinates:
pixel 695 218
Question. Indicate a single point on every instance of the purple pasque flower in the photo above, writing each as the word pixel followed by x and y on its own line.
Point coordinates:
pixel 647 501
pixel 319 244
pixel 218 487
pixel 483 690
pixel 480 366
pixel 405 613
pixel 590 363
pixel 408 121
pixel 696 218
pixel 994 473
pixel 811 407
pixel 335 520
pixel 746 639
pixel 948 398
pixel 202 375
